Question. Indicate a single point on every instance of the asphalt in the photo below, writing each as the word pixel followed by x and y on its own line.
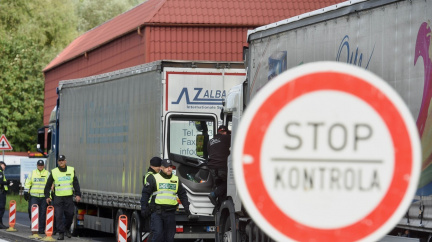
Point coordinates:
pixel 23 233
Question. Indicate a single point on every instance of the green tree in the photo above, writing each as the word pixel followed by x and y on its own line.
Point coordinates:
pixel 93 13
pixel 32 33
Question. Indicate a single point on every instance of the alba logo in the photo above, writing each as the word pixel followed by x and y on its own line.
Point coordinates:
pixel 207 97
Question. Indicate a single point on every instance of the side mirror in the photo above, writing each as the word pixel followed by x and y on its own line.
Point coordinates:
pixel 198 126
pixel 41 140
pixel 199 141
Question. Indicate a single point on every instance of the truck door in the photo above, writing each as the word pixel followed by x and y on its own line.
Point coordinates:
pixel 186 137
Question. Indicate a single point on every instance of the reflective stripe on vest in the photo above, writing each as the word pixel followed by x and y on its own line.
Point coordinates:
pixel 146 175
pixel 4 179
pixel 63 181
pixel 166 193
pixel 145 182
pixel 38 182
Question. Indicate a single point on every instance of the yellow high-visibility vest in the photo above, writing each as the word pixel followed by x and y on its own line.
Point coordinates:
pixel 4 179
pixel 166 193
pixel 63 181
pixel 36 182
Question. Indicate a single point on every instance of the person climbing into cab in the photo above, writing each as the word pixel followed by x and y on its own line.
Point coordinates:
pixel 218 151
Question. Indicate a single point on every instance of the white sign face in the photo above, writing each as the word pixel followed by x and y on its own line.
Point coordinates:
pixel 330 150
pixel 4 143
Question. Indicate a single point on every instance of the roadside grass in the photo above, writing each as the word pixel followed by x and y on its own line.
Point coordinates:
pixel 21 203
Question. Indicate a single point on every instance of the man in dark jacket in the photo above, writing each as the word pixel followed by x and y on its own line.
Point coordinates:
pixel 218 150
pixel 155 167
pixel 163 189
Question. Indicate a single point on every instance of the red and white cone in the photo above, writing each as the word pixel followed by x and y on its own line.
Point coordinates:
pixel 122 228
pixel 12 216
pixel 49 224
pixel 35 221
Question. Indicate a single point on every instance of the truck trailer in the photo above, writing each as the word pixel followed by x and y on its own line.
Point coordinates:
pixel 109 126
pixel 391 38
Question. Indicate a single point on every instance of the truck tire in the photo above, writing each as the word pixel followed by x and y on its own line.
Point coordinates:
pixel 135 227
pixel 116 222
pixel 227 230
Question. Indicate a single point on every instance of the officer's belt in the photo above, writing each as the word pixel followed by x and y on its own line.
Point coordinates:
pixel 165 209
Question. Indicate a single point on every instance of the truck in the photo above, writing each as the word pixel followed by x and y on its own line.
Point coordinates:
pixel 391 38
pixel 110 125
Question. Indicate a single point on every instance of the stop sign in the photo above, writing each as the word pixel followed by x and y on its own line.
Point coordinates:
pixel 327 151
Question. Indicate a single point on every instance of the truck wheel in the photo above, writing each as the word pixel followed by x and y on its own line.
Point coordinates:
pixel 227 230
pixel 116 222
pixel 135 227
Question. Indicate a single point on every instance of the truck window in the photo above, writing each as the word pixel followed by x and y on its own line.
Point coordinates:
pixel 184 133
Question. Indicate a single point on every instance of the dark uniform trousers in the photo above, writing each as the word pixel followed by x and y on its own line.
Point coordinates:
pixel 2 202
pixel 163 226
pixel 42 204
pixel 219 182
pixel 63 205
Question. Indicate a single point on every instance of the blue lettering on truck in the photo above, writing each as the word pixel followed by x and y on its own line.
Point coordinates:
pixel 202 97
pixel 351 59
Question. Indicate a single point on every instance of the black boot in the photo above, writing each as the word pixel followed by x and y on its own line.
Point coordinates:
pixel 2 226
pixel 61 236
pixel 68 234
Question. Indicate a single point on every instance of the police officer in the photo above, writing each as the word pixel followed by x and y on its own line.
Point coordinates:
pixel 65 183
pixel 34 189
pixel 154 168
pixel 3 191
pixel 163 188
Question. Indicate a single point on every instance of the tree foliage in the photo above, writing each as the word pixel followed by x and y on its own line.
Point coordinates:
pixel 93 13
pixel 32 33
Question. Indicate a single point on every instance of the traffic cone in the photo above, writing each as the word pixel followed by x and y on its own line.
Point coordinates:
pixel 49 224
pixel 12 216
pixel 35 221
pixel 122 228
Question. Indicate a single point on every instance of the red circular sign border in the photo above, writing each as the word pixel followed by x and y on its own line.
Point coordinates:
pixel 380 103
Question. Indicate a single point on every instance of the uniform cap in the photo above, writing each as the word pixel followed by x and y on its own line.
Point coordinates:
pixel 166 163
pixel 224 128
pixel 62 157
pixel 40 162
pixel 155 161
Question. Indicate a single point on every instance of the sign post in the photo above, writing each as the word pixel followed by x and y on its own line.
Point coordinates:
pixel 327 151
pixel 4 144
